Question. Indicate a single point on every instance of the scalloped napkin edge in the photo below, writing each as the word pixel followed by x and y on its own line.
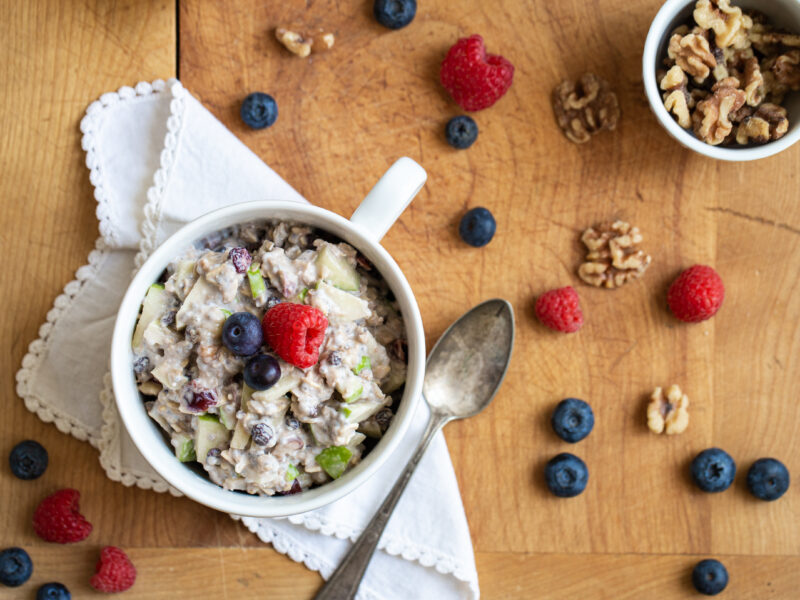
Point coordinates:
pixel 431 509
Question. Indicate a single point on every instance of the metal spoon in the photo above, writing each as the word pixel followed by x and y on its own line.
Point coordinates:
pixel 463 373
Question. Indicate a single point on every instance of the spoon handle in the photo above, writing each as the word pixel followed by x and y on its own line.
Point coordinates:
pixel 344 582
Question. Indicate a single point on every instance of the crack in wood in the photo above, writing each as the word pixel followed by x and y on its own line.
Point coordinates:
pixel 754 219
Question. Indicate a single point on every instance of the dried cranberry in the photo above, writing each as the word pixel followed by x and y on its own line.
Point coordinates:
pixel 261 433
pixel 241 259
pixel 296 489
pixel 199 399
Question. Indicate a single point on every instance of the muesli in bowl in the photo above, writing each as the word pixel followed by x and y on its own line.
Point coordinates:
pixel 272 355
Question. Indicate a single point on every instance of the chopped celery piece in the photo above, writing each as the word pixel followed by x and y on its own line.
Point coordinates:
pixel 291 473
pixel 226 312
pixel 257 285
pixel 302 295
pixel 364 364
pixel 334 460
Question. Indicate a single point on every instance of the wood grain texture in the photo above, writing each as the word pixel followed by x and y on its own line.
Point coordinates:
pixel 344 117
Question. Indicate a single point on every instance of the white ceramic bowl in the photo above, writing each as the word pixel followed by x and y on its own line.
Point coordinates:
pixel 371 220
pixel 782 13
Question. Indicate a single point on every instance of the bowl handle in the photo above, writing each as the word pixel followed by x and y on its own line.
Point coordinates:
pixel 389 198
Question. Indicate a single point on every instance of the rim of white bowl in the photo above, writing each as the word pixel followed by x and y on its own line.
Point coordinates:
pixel 657 31
pixel 146 434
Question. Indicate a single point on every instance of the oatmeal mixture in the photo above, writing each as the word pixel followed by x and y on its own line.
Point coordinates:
pixel 304 426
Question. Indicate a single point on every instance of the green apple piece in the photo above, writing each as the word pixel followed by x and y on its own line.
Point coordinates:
pixel 153 306
pixel 257 285
pixel 355 395
pixel 333 267
pixel 340 303
pixel 228 419
pixel 317 435
pixel 210 434
pixel 159 335
pixel 184 447
pixel 361 411
pixel 301 297
pixel 240 437
pixel 247 392
pixel 282 387
pixel 396 378
pixel 363 364
pixel 201 294
pixel 226 312
pixel 334 460
pixel 291 473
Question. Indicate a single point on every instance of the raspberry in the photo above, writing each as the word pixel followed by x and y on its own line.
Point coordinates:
pixel 295 332
pixel 696 294
pixel 114 571
pixel 560 310
pixel 57 519
pixel 476 80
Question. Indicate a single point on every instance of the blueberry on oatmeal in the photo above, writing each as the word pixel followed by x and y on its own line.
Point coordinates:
pixel 242 333
pixel 278 405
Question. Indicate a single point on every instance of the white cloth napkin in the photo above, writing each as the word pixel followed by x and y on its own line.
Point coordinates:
pixel 157 159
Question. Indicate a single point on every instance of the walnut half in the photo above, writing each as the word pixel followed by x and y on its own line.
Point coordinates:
pixel 614 257
pixel 676 95
pixel 768 123
pixel 692 54
pixel 668 414
pixel 711 118
pixel 730 25
pixel 303 43
pixel 585 108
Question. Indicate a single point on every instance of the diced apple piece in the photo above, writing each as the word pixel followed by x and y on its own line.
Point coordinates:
pixel 210 434
pixel 158 335
pixel 227 418
pixel 153 306
pixel 170 375
pixel 184 447
pixel 333 267
pixel 333 301
pixel 200 296
pixel 240 437
pixel 282 387
pixel 247 392
pixel 361 411
pixel 371 429
pixel 334 460
pixel 356 440
pixel 364 363
pixel 397 377
pixel 183 277
pixel 355 395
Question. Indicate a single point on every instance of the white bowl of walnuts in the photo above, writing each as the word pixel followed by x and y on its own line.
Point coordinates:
pixel 723 76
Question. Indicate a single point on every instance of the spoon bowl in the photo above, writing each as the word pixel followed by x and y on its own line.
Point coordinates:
pixel 468 363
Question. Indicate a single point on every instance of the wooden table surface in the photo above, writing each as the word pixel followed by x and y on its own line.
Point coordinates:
pixel 344 117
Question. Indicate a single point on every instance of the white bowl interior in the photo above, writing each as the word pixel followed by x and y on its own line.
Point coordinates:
pixel 784 14
pixel 147 435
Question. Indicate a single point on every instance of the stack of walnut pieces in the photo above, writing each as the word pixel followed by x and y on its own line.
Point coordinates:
pixel 728 75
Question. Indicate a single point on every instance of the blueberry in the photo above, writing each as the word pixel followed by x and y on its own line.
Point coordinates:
pixel 709 577
pixel 15 567
pixel 395 14
pixel 261 372
pixel 28 459
pixel 713 470
pixel 477 227
pixel 768 479
pixel 53 591
pixel 461 132
pixel 572 420
pixel 259 110
pixel 566 475
pixel 242 333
